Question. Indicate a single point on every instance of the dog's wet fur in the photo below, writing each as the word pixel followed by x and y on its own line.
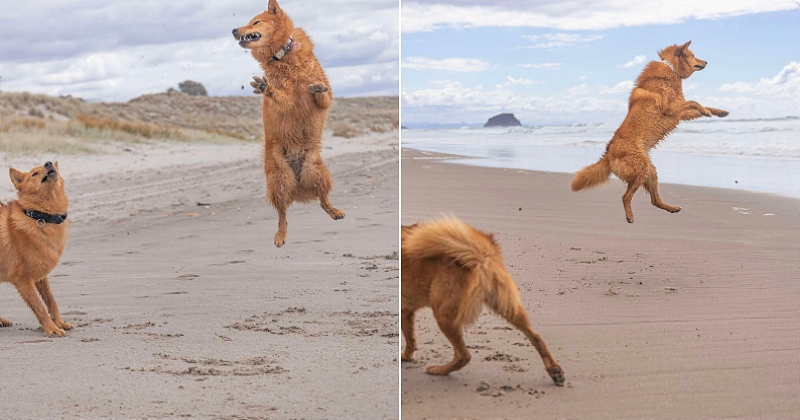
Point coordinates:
pixel 656 107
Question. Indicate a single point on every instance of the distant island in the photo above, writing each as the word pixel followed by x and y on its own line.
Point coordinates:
pixel 502 120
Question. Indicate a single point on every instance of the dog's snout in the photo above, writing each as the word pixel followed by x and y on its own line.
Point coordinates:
pixel 235 31
pixel 48 165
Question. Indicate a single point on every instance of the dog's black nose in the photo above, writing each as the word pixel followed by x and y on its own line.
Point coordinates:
pixel 235 31
pixel 48 165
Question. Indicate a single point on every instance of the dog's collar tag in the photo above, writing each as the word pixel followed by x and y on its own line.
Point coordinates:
pixel 285 50
pixel 669 64
pixel 45 218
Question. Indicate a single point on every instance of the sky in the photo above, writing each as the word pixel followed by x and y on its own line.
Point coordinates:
pixel 566 62
pixel 117 50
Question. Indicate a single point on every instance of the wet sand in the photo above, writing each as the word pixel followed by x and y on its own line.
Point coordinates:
pixel 687 315
pixel 183 307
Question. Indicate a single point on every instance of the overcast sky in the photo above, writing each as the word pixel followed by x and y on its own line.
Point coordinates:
pixel 114 51
pixel 553 61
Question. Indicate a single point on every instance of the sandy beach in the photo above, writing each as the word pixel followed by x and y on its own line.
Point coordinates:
pixel 687 315
pixel 182 305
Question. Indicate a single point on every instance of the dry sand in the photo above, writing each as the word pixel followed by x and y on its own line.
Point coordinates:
pixel 187 310
pixel 688 315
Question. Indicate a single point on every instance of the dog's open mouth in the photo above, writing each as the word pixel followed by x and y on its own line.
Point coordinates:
pixel 699 67
pixel 246 39
pixel 51 174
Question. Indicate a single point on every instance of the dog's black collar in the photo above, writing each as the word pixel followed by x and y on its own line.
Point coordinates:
pixel 283 51
pixel 44 218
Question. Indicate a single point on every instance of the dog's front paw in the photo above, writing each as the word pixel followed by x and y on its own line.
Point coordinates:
pixel 317 88
pixel 718 112
pixel 259 85
pixel 64 325
pixel 4 322
pixel 54 331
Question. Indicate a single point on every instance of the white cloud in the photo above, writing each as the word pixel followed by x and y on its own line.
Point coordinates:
pixel 785 84
pixel 447 64
pixel 455 96
pixel 559 39
pixel 625 86
pixel 639 59
pixel 101 50
pixel 510 81
pixel 574 15
pixel 543 66
pixel 768 97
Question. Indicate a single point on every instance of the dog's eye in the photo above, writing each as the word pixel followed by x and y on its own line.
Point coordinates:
pixel 35 174
pixel 256 22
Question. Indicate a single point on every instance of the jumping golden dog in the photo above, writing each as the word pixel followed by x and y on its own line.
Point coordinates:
pixel 296 99
pixel 655 108
pixel 455 269
pixel 33 233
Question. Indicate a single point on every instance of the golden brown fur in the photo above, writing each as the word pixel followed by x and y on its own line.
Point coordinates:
pixel 655 108
pixel 297 97
pixel 29 251
pixel 455 269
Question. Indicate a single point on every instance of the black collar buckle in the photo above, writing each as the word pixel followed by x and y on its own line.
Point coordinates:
pixel 45 218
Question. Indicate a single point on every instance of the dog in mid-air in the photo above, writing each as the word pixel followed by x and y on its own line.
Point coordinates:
pixel 296 99
pixel 655 108
pixel 455 269
pixel 33 234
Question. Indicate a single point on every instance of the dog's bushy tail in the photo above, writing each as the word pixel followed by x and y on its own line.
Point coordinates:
pixel 488 281
pixel 592 175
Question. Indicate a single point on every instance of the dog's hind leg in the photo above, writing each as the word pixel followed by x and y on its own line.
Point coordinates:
pixel 43 286
pixel 29 294
pixel 454 333
pixel 521 322
pixel 280 235
pixel 316 177
pixel 651 185
pixel 281 187
pixel 449 292
pixel 407 323
pixel 628 196
pixel 506 302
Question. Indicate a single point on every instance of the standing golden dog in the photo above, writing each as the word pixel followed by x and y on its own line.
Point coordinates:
pixel 655 108
pixel 33 233
pixel 296 99
pixel 456 269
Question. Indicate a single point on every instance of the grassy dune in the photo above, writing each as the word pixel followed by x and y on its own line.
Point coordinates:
pixel 35 123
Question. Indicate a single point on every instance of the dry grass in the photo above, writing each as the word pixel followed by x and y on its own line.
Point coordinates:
pixel 146 130
pixel 30 122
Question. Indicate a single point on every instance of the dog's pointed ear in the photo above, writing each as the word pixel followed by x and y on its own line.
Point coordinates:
pixel 273 7
pixel 682 49
pixel 16 176
pixel 56 165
